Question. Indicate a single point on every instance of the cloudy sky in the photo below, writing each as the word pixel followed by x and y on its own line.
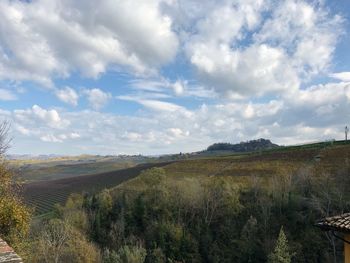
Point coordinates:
pixel 164 76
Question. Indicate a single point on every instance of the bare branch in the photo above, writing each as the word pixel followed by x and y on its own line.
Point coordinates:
pixel 4 138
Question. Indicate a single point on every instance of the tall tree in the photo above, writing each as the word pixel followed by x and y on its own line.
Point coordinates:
pixel 281 252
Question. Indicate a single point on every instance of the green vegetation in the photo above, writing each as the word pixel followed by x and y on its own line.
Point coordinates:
pixel 14 215
pixel 281 252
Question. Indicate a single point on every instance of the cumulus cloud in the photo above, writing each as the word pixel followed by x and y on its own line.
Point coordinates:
pixel 179 87
pixel 253 48
pixel 68 95
pixel 177 132
pixel 97 98
pixel 46 39
pixel 238 48
pixel 36 114
pixel 7 95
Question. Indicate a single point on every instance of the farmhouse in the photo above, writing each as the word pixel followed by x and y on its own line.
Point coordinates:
pixel 339 226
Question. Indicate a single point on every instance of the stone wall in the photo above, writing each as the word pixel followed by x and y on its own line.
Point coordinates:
pixel 7 255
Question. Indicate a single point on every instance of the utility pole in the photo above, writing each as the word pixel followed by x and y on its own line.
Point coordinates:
pixel 346 133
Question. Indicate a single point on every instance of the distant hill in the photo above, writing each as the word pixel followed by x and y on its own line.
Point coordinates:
pixel 249 146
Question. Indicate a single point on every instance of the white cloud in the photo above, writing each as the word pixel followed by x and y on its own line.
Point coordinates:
pixel 7 95
pixel 45 39
pixel 161 88
pixel 254 48
pixel 50 116
pixel 68 95
pixel 58 138
pixel 177 133
pixel 254 71
pixel 343 76
pixel 239 48
pixel 36 114
pixel 50 138
pixel 316 113
pixel 306 31
pixel 97 98
pixel 133 136
pixel 156 105
pixel 179 87
pixel 22 130
pixel 74 135
pixel 161 105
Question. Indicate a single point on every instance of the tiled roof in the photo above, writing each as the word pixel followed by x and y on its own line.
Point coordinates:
pixel 340 223
pixel 7 255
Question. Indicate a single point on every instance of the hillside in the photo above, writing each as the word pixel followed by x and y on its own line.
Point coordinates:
pixel 39 169
pixel 323 157
pixel 196 210
pixel 249 146
pixel 43 195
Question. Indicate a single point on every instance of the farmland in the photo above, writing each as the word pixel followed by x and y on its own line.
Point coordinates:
pixel 43 194
pixel 32 170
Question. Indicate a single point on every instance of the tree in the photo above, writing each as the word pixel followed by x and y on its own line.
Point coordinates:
pixel 4 139
pixel 281 252
pixel 14 215
pixel 53 239
pixel 127 254
pixel 248 237
pixel 60 242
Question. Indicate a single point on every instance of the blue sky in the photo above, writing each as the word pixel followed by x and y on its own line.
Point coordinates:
pixel 164 76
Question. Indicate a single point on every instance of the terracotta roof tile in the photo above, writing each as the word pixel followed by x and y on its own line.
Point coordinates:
pixel 7 255
pixel 340 223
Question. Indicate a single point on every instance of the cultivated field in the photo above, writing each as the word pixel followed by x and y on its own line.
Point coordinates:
pixel 32 170
pixel 43 195
pixel 242 168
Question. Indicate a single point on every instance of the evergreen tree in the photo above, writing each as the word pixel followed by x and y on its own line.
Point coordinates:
pixel 281 252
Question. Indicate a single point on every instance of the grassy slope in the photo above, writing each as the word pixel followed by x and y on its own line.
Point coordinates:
pixel 322 158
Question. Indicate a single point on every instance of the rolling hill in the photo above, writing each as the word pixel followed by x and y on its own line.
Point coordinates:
pixel 324 157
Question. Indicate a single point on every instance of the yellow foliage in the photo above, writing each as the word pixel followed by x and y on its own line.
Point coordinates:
pixel 14 215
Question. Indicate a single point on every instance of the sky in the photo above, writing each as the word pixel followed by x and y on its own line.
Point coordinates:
pixel 167 76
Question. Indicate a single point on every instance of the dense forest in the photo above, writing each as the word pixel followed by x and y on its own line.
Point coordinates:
pixel 249 146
